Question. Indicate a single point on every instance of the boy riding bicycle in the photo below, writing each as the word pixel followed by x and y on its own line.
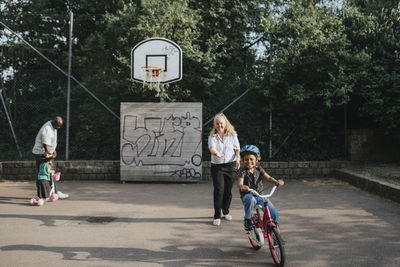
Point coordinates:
pixel 250 177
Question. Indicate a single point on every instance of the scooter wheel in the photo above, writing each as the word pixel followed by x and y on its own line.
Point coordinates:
pixel 54 197
pixel 40 202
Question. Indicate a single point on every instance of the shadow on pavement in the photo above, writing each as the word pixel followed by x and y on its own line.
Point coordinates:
pixel 52 220
pixel 201 254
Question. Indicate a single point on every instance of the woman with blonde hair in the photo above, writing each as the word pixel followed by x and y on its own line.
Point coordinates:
pixel 225 160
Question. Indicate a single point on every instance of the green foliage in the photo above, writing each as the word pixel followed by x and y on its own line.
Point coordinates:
pixel 374 28
pixel 302 61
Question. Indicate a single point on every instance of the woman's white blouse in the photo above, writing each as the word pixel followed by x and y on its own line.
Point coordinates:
pixel 224 147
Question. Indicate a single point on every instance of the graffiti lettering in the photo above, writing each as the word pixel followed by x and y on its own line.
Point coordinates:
pixel 171 141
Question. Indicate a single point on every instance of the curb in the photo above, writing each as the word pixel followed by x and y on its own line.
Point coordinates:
pixel 368 184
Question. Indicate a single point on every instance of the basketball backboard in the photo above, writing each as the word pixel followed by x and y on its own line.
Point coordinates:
pixel 159 53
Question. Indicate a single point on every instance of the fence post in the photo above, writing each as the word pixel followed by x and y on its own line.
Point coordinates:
pixel 71 19
pixel 9 122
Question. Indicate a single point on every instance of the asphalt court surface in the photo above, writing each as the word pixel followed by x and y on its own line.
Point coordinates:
pixel 325 222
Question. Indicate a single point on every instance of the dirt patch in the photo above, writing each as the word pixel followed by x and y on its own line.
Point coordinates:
pixel 328 181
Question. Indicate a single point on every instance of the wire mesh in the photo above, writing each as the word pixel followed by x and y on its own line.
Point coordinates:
pixel 32 99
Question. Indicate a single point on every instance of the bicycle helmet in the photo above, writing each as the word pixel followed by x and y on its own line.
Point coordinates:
pixel 250 149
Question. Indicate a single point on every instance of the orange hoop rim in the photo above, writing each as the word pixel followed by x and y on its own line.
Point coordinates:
pixel 155 70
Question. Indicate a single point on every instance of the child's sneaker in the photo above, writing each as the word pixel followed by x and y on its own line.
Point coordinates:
pixel 248 225
pixel 33 201
pixel 217 222
pixel 61 195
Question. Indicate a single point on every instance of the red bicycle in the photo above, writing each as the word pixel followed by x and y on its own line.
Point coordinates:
pixel 265 228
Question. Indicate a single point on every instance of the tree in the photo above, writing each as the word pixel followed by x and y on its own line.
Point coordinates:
pixel 373 27
pixel 40 88
pixel 304 61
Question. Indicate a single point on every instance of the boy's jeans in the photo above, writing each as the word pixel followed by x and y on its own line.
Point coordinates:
pixel 249 201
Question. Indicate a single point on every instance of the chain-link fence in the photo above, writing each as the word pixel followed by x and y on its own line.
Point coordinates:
pixel 31 98
pixel 35 95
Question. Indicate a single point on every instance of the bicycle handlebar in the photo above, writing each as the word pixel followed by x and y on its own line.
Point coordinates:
pixel 254 192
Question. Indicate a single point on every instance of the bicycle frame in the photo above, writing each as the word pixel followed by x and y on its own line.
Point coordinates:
pixel 266 223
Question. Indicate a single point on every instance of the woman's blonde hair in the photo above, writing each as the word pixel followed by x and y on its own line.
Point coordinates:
pixel 229 129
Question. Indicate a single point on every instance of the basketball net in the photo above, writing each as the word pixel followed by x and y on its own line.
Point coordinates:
pixel 152 77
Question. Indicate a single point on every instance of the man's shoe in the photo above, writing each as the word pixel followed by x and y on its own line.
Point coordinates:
pixel 228 217
pixel 217 222
pixel 61 195
pixel 248 225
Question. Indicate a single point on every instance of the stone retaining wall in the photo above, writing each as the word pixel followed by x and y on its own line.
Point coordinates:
pixel 291 170
pixel 372 185
pixel 70 170
pixel 109 170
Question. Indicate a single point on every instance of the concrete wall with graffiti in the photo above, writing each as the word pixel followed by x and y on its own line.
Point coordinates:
pixel 161 142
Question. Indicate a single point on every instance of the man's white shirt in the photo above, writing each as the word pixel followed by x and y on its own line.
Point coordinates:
pixel 46 135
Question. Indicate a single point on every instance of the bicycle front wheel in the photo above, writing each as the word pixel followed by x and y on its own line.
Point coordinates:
pixel 276 247
pixel 256 239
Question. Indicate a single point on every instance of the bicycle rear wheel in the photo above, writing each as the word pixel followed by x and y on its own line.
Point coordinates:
pixel 255 239
pixel 276 247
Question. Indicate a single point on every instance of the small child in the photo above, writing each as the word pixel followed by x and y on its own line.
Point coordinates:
pixel 250 177
pixel 43 180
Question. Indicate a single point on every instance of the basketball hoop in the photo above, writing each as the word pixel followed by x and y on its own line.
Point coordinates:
pixel 153 77
pixel 155 62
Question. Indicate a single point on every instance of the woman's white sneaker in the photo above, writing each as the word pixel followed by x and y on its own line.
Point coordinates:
pixel 228 217
pixel 217 222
